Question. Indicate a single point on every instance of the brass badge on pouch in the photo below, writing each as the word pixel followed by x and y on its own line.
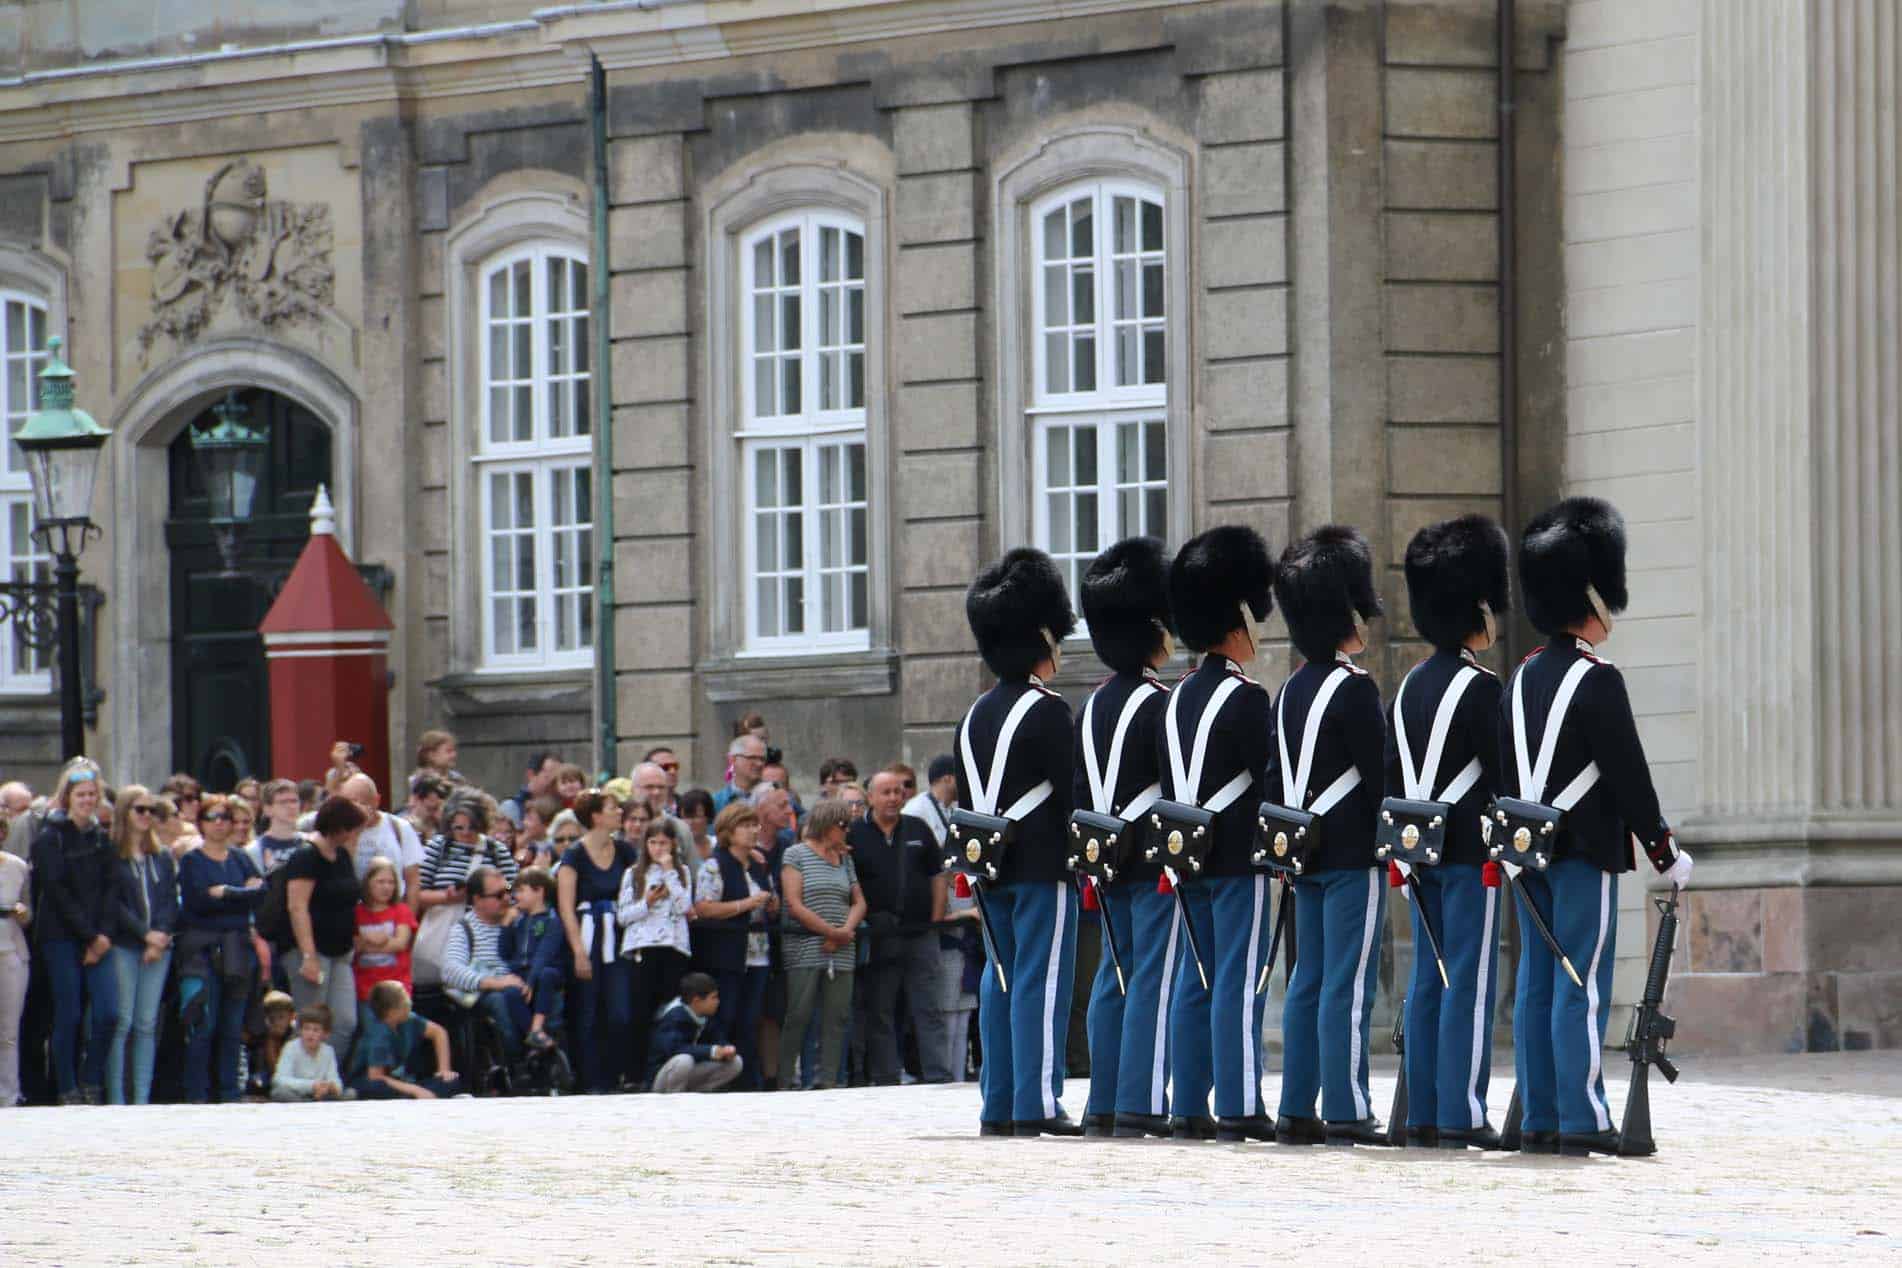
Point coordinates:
pixel 1522 840
pixel 1410 835
pixel 1281 845
pixel 1175 842
pixel 973 850
pixel 1092 848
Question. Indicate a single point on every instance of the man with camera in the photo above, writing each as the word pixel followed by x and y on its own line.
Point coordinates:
pixel 898 864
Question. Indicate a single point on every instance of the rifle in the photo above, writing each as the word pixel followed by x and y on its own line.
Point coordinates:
pixel 1397 1120
pixel 1647 1036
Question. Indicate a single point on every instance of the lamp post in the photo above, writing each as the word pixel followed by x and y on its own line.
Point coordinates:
pixel 62 446
pixel 231 457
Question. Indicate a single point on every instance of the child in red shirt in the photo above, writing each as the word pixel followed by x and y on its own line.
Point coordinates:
pixel 385 930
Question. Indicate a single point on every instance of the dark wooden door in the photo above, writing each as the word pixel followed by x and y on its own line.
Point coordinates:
pixel 221 718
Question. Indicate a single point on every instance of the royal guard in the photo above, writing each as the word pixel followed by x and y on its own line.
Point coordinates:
pixel 1442 772
pixel 1125 599
pixel 1211 751
pixel 1014 767
pixel 1583 793
pixel 1326 761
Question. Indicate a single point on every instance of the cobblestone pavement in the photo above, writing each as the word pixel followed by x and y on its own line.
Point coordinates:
pixel 1762 1161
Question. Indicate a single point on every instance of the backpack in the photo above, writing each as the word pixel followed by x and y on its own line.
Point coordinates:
pixel 273 920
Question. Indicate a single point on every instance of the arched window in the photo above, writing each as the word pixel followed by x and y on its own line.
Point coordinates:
pixel 1099 401
pixel 806 544
pixel 533 458
pixel 23 332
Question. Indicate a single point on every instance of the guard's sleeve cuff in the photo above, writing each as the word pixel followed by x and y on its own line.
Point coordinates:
pixel 1661 849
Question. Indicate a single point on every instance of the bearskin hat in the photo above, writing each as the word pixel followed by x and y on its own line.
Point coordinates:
pixel 1011 605
pixel 1323 581
pixel 1213 577
pixel 1453 567
pixel 1125 597
pixel 1577 543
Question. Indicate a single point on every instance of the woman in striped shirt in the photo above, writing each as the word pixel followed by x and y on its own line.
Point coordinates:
pixel 464 845
pixel 823 907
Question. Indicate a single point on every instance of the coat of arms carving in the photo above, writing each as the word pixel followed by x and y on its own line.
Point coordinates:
pixel 272 257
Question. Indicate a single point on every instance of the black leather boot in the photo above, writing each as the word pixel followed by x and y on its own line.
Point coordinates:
pixel 994 1129
pixel 1539 1143
pixel 1362 1131
pixel 1423 1137
pixel 1253 1127
pixel 1099 1125
pixel 1299 1131
pixel 1195 1127
pixel 1482 1137
pixel 1588 1143
pixel 1137 1126
pixel 1060 1125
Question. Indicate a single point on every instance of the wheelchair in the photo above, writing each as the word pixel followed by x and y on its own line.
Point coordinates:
pixel 477 1048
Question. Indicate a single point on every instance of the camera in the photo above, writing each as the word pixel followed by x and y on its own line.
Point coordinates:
pixel 775 757
pixel 356 751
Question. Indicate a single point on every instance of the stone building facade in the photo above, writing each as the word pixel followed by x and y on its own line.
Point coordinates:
pixel 894 286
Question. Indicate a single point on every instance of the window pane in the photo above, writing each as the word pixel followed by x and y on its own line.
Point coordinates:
pixel 828 255
pixel 501 508
pixel 1085 456
pixel 829 385
pixel 1086 523
pixel 498 352
pixel 559 424
pixel 1056 307
pixel 789 332
pixel 861 604
pixel 765 479
pixel 763 403
pixel 1155 358
pixel 831 540
pixel 1152 226
pixel 1056 363
pixel 579 286
pixel 1152 290
pixel 1082 230
pixel 1129 453
pixel 1083 287
pixel 795 477
pixel 521 304
pixel 557 284
pixel 1128 512
pixel 831 324
pixel 521 361
pixel 1086 363
pixel 789 257
pixel 795 605
pixel 1053 226
pixel 795 554
pixel 789 385
pixel 498 294
pixel 855 256
pixel 829 473
pixel 580 344
pixel 1124 240
pixel 855 316
pixel 498 414
pixel 859 550
pixel 767 592
pixel 1156 451
pixel 763 263
pixel 1059 512
pixel 855 380
pixel 766 543
pixel 855 477
pixel 1057 456
pixel 1158 512
pixel 524 413
pixel 1125 290
pixel 584 421
pixel 524 500
pixel 1126 356
pixel 764 339
pixel 501 617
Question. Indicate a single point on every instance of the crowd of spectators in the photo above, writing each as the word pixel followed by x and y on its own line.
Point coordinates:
pixel 295 940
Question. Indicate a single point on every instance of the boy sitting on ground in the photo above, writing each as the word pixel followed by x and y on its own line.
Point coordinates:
pixel 381 1069
pixel 678 1060
pixel 307 1069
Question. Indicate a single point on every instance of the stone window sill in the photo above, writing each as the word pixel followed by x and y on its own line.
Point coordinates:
pixel 479 694
pixel 739 680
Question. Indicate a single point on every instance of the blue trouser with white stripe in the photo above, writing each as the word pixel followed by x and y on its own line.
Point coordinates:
pixel 1034 927
pixel 1215 1034
pixel 1558 1029
pixel 1450 1028
pixel 1330 1002
pixel 1108 1012
pixel 1151 956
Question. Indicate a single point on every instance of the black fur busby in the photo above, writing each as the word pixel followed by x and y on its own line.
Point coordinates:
pixel 1577 543
pixel 1125 597
pixel 1453 567
pixel 1323 580
pixel 1011 605
pixel 1213 577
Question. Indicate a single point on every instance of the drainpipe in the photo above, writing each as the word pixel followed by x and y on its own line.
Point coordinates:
pixel 1508 153
pixel 603 384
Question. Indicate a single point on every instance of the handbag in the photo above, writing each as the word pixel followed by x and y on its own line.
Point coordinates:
pixel 980 838
pixel 1103 843
pixel 1412 829
pixel 1524 830
pixel 1183 832
pixel 432 939
pixel 1288 832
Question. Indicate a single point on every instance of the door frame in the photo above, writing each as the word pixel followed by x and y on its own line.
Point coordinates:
pixel 133 554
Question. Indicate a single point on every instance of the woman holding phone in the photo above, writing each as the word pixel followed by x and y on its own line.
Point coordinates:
pixel 656 897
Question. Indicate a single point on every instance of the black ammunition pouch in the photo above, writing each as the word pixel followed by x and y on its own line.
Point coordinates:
pixel 1103 846
pixel 1180 836
pixel 1411 832
pixel 1286 840
pixel 1525 833
pixel 977 843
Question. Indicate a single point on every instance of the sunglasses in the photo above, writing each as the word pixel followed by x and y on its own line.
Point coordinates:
pixel 216 816
pixel 142 810
pixel 567 838
pixel 669 767
pixel 494 893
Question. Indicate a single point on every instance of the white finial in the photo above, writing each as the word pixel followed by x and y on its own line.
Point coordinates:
pixel 323 516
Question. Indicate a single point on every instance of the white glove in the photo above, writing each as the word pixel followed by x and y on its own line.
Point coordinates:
pixel 1512 869
pixel 1679 872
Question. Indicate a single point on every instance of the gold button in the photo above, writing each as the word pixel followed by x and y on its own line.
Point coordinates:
pixel 1092 848
pixel 1410 835
pixel 1281 845
pixel 974 850
pixel 1175 842
pixel 1522 840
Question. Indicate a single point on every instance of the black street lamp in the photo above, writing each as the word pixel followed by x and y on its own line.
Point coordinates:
pixel 231 458
pixel 62 446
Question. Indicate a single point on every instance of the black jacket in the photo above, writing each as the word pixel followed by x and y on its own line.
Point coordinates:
pixel 1474 733
pixel 76 881
pixel 1598 728
pixel 1041 750
pixel 1354 733
pixel 1240 739
pixel 146 905
pixel 1140 758
pixel 679 1029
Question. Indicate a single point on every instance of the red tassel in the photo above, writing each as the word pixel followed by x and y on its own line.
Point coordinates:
pixel 1163 886
pixel 1490 874
pixel 963 885
pixel 1090 901
pixel 1394 879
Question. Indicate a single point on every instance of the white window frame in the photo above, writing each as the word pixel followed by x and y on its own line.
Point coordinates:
pixel 1107 406
pixel 19 559
pixel 809 431
pixel 542 454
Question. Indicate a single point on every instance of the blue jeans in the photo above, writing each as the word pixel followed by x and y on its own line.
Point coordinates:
pixel 508 1012
pixel 75 986
pixel 141 987
pixel 216 1037
pixel 742 997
